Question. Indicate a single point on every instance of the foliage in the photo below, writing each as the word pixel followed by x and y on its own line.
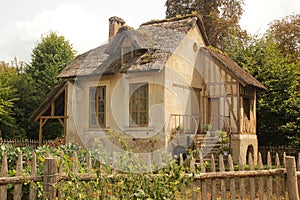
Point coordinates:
pixel 24 86
pixel 286 33
pixel 8 97
pixel 220 17
pixel 166 183
pixel 278 109
pixel 49 57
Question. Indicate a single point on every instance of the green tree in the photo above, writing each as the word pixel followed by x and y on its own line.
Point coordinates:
pixel 49 57
pixel 8 97
pixel 278 109
pixel 287 33
pixel 220 17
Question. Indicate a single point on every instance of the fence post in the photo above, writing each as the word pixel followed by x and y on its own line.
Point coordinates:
pixel 298 169
pixel 50 178
pixel 4 173
pixel 292 184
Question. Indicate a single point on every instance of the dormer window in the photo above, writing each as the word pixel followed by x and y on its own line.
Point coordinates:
pixel 126 54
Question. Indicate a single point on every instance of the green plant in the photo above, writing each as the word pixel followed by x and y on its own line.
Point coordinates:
pixel 207 127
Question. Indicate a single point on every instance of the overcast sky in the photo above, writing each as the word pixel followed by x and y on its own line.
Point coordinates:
pixel 85 22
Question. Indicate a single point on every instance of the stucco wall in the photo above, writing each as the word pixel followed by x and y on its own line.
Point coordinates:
pixel 117 106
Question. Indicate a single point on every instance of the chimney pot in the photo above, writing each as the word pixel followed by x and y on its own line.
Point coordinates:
pixel 115 23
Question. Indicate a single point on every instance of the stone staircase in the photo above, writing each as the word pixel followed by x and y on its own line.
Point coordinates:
pixel 208 145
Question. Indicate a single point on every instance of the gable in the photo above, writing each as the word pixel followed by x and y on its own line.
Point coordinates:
pixel 54 103
pixel 232 68
pixel 195 34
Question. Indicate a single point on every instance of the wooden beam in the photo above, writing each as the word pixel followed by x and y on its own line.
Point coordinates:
pixel 61 122
pixel 41 132
pixel 44 122
pixel 65 113
pixel 53 108
pixel 53 117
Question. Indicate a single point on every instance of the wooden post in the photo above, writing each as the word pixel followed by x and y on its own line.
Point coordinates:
pixel 270 178
pixel 19 170
pixel 203 182
pixel 252 181
pixel 298 170
pixel 232 181
pixel 50 178
pixel 214 184
pixel 261 179
pixel 4 173
pixel 181 160
pixel 61 194
pixel 222 169
pixel 292 184
pixel 75 163
pixel 242 180
pixel 33 190
pixel 41 132
pixel 278 179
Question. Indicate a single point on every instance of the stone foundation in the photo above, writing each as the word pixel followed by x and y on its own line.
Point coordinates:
pixel 240 144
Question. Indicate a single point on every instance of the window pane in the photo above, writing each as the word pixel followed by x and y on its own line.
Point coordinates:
pixel 93 106
pixel 143 118
pixel 134 118
pixel 134 105
pixel 101 119
pixel 92 93
pixel 143 104
pixel 93 119
pixel 101 106
pixel 143 90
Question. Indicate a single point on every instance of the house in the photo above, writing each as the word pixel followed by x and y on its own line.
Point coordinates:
pixel 145 83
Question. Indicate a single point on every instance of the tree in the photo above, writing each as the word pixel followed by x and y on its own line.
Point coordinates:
pixel 220 17
pixel 49 57
pixel 278 109
pixel 286 33
pixel 8 97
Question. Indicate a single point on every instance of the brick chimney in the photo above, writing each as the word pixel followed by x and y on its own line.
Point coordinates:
pixel 114 24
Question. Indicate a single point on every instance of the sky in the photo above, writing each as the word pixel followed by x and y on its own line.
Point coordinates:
pixel 84 23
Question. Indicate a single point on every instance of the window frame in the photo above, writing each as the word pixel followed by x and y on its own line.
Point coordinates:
pixel 96 113
pixel 124 53
pixel 146 111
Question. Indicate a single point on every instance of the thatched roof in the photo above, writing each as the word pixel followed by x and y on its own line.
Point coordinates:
pixel 159 38
pixel 231 67
pixel 153 42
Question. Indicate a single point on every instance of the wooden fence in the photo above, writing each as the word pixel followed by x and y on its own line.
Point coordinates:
pixel 21 142
pixel 31 142
pixel 281 150
pixel 215 180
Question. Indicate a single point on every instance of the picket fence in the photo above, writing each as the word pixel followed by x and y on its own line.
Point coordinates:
pixel 215 180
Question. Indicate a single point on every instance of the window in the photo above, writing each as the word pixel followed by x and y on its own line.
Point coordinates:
pixel 127 54
pixel 247 107
pixel 97 106
pixel 138 105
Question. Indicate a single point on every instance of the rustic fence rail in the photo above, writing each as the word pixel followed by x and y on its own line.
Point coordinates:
pixel 28 142
pixel 225 182
pixel 20 142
